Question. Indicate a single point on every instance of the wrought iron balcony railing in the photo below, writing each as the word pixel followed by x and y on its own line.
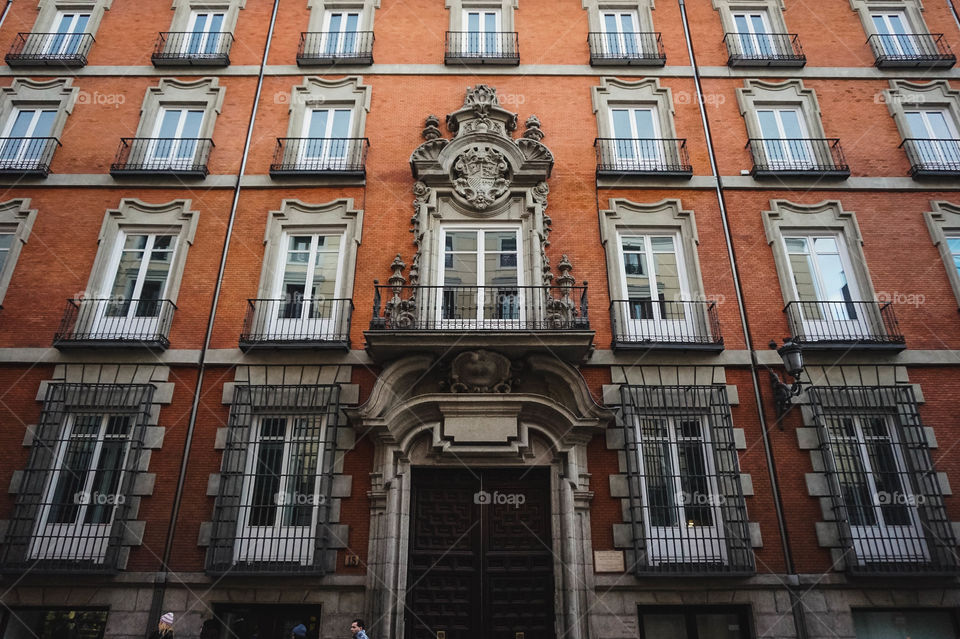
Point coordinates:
pixel 27 156
pixel 50 49
pixel 844 325
pixel 480 308
pixel 116 322
pixel 192 49
pixel 660 157
pixel 679 325
pixel 181 157
pixel 798 157
pixel 317 47
pixel 634 49
pixel 320 156
pixel 764 49
pixel 927 50
pixel 470 47
pixel 932 158
pixel 297 323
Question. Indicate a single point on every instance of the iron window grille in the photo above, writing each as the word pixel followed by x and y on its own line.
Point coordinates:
pixel 273 508
pixel 630 48
pixel 665 324
pixel 932 158
pixel 27 156
pixel 332 47
pixel 50 49
pixel 168 157
pixel 475 47
pixel 798 157
pixel 687 508
pixel 764 49
pixel 844 324
pixel 911 50
pixel 192 49
pixel 885 493
pixel 344 157
pixel 657 157
pixel 74 501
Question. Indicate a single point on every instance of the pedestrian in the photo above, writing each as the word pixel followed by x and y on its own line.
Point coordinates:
pixel 359 629
pixel 299 632
pixel 164 627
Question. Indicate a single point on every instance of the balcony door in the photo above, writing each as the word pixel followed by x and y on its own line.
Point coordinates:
pixel 340 33
pixel 174 143
pixel 308 288
pixel 894 35
pixel 326 143
pixel 281 490
pixel 753 32
pixel 935 137
pixel 827 296
pixel 786 142
pixel 638 145
pixel 682 518
pixel 482 33
pixel 656 287
pixel 481 279
pixel 83 492
pixel 203 34
pixel 67 36
pixel 137 291
pixel 621 37
pixel 25 137
pixel 873 482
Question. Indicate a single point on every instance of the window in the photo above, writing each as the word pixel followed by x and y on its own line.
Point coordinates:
pixel 481 277
pixel 637 136
pixel 16 222
pixel 753 33
pixel 6 241
pixel 175 138
pixel 819 267
pixel 138 291
pixel 654 281
pixel 905 624
pixel 327 133
pixel 56 623
pixel 26 137
pixel 482 32
pixel 340 32
pixel 694 622
pixel 308 288
pixel 953 243
pixel 934 136
pixel 893 33
pixel 785 139
pixel 621 33
pixel 205 31
pixel 69 29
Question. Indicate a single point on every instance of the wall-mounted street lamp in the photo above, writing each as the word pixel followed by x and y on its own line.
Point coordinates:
pixel 792 355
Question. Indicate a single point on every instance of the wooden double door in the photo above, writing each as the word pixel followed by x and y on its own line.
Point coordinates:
pixel 481 558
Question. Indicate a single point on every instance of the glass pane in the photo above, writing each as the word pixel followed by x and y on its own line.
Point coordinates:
pixel 659 476
pixel 802 268
pixel 461 241
pixel 128 270
pixel 646 130
pixel 460 270
pixel 6 241
pixel 825 245
pixel 768 124
pixel 191 124
pixel 668 284
pixel 106 481
pixel 904 624
pixel 473 22
pixel 295 276
pixel 325 278
pixel 267 469
pixel 952 242
pixel 76 463
pixel 835 287
pixel 638 285
pixel 633 244
pixel 665 627
pixel 851 473
pixel 792 126
pixel 719 626
pixel 621 124
pixel 939 126
pixel 21 125
pixel 169 122
pixel 336 20
pixel 301 496
pixel 796 244
pixel 693 476
pixel 318 124
pixel 917 125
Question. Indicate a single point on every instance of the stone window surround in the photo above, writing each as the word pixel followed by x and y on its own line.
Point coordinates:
pixel 16 217
pixel 942 221
pixel 936 94
pixel 348 92
pixel 184 9
pixel 773 8
pixel 827 216
pixel 58 93
pixel 643 8
pixel 614 92
pixel 319 9
pixel 205 93
pixel 667 216
pixel 337 216
pixel 133 215
pixel 912 8
pixel 506 7
pixel 790 93
pixel 48 10
pixel 153 437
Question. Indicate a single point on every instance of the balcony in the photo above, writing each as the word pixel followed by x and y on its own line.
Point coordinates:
pixel 932 158
pixel 663 325
pixel 325 48
pixel 844 325
pixel 116 322
pixel 798 157
pixel 27 156
pixel 50 49
pixel 168 157
pixel 626 49
pixel 518 319
pixel 469 47
pixel 654 157
pixel 192 49
pixel 764 50
pixel 345 157
pixel 301 323
pixel 910 50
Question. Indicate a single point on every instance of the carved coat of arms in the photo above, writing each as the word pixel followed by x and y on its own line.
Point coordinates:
pixel 481 176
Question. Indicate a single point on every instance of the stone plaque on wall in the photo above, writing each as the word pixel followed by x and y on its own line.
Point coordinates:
pixel 608 561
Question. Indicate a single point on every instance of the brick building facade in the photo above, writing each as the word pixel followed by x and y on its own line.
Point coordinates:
pixel 456 316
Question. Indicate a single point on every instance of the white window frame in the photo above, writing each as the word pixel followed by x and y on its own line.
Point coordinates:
pixel 340 43
pixel 954 252
pixel 891 42
pixel 171 154
pixel 278 543
pixel 196 46
pixel 660 326
pixel 69 41
pixel 78 540
pixel 934 154
pixel 637 157
pixel 781 151
pixel 621 42
pixel 334 152
pixel 6 251
pixel 480 321
pixel 485 45
pixel 26 149
pixel 753 44
pixel 304 324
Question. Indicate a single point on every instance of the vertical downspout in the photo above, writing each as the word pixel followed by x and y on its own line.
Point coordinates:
pixel 953 10
pixel 164 576
pixel 6 10
pixel 798 619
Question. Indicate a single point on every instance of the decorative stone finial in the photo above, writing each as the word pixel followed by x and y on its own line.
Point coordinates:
pixel 533 131
pixel 397 280
pixel 565 280
pixel 432 128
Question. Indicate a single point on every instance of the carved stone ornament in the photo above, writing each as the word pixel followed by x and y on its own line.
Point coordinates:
pixel 481 372
pixel 481 176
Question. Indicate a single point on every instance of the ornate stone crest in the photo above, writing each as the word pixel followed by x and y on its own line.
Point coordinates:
pixel 481 372
pixel 481 176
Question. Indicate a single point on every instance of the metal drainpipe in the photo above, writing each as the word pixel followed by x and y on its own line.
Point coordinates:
pixel 953 10
pixel 6 10
pixel 798 619
pixel 164 576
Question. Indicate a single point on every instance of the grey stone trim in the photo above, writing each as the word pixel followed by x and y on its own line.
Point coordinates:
pixel 912 8
pixel 456 8
pixel 184 8
pixel 57 93
pixel 16 217
pixel 643 8
pixel 936 94
pixel 944 480
pixel 213 485
pixel 761 93
pixel 144 484
pixel 618 486
pixel 314 91
pixel 739 438
pixel 668 375
pixel 808 439
pixel 943 222
pixel 773 8
pixel 756 536
pixel 746 484
pixel 817 484
pixel 16 480
pixel 928 431
pixel 319 8
pixel 205 93
pixel 850 184
pixel 614 92
pixel 48 9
